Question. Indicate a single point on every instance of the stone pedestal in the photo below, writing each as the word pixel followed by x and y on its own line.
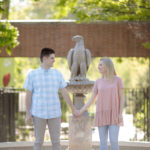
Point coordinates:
pixel 80 133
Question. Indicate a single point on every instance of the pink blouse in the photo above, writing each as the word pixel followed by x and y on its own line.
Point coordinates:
pixel 107 107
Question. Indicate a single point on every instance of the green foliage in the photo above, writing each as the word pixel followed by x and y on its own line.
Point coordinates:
pixel 21 69
pixel 137 98
pixel 1 9
pixel 140 111
pixel 112 10
pixel 8 37
pixel 8 33
pixel 63 7
pixel 5 6
pixel 22 132
pixel 146 45
pixel 83 10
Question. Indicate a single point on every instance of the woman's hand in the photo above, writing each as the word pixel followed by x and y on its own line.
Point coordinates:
pixel 120 117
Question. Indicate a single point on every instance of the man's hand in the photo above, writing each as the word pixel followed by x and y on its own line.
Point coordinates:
pixel 28 105
pixel 28 119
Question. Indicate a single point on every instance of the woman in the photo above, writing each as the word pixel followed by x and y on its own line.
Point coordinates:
pixel 109 92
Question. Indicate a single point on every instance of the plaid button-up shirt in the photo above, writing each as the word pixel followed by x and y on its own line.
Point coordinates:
pixel 44 85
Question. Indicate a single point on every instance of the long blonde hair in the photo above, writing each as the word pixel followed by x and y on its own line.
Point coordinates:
pixel 110 70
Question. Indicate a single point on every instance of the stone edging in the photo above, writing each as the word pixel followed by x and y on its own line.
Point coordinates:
pixel 65 143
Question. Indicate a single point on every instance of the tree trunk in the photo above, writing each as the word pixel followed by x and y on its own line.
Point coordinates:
pixel 148 110
pixel 6 4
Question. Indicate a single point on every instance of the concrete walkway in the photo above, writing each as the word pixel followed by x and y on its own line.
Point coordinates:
pixel 47 145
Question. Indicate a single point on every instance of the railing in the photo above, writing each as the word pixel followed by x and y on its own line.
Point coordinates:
pixel 137 102
pixel 12 114
pixel 8 109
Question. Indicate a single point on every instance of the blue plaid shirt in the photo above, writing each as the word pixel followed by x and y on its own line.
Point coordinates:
pixel 44 85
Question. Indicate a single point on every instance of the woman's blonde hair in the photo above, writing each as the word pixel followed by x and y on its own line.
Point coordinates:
pixel 110 70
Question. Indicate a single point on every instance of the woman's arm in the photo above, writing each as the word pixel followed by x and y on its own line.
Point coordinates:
pixel 88 104
pixel 121 97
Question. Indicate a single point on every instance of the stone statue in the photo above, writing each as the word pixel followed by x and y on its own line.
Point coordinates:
pixel 79 59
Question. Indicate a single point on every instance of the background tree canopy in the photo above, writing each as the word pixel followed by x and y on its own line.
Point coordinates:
pixel 112 10
pixel 82 10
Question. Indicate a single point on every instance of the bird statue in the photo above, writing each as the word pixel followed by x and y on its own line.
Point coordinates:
pixel 79 59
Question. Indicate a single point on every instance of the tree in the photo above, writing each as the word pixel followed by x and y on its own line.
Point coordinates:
pixel 1 9
pixel 110 10
pixel 8 37
pixel 6 4
pixel 9 33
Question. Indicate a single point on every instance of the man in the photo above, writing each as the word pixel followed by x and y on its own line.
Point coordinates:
pixel 42 99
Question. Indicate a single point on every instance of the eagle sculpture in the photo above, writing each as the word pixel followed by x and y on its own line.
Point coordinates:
pixel 79 59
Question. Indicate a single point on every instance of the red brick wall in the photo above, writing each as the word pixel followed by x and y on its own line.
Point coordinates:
pixel 103 39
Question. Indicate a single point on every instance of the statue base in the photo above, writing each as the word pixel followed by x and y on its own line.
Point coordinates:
pixel 80 133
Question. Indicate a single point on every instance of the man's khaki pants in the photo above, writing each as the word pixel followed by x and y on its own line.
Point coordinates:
pixel 54 130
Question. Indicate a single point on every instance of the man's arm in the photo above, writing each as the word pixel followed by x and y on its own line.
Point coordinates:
pixel 66 96
pixel 28 106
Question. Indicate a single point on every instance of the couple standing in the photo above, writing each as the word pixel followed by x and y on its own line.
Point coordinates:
pixel 43 104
